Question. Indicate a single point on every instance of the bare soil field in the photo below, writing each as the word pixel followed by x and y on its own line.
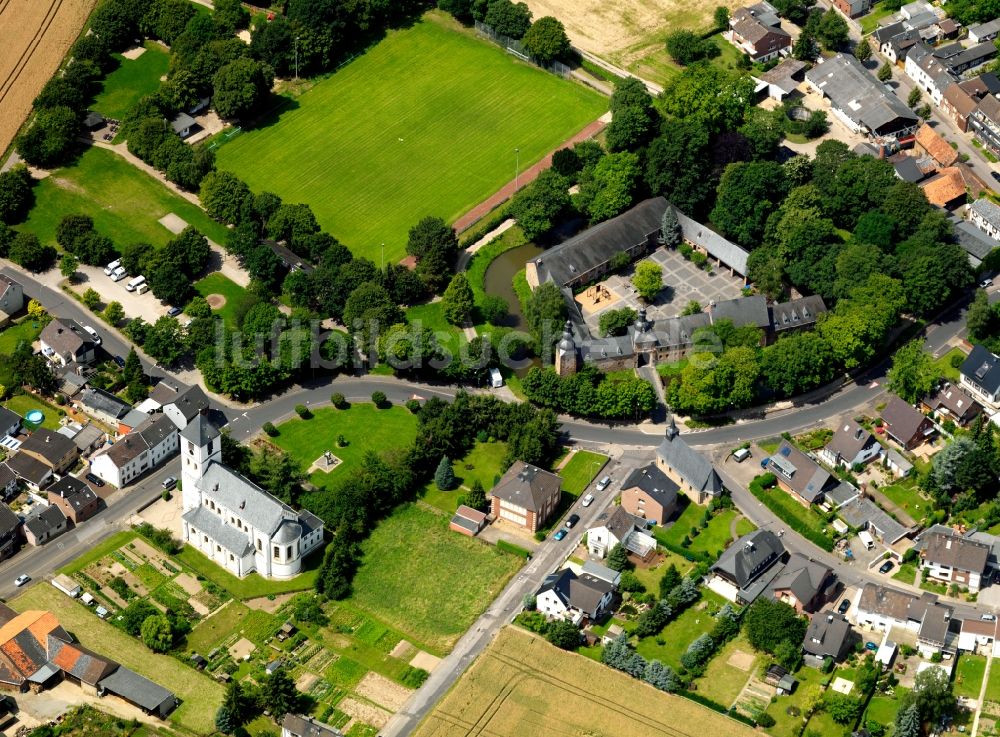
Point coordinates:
pixel 34 37
pixel 523 685
pixel 620 31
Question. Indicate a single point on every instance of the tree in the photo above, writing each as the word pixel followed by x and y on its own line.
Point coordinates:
pixel 863 50
pixel 279 693
pixel 371 302
pixel 167 280
pixel 721 17
pixel 538 206
pixel 164 341
pixel 698 652
pixel 932 695
pixel 157 633
pixel 805 48
pixel 661 676
pixel 654 619
pixel 545 313
pixel 28 252
pixel 224 196
pixel 241 86
pixel 913 99
pixel 648 280
pixel 91 298
pixel 797 363
pixel 444 477
pixel 670 228
pixel 884 73
pixel 51 139
pixel 508 19
pixel 913 374
pixel 563 633
pixel 908 722
pixel 747 194
pixel 434 244
pixel 632 116
pixel 789 655
pixel 340 561
pixel 767 623
pixel 980 319
pixel 670 579
pixel 458 300
pixel 16 197
pixel 686 47
pixel 476 498
pixel 114 313
pixel 68 265
pixel 493 309
pixel 832 30
pixel 679 165
pixel 136 256
pixel 546 40
pixel 610 189
pixel 616 322
pixel 618 558
pixel 225 718
pixel 843 708
pixel 190 251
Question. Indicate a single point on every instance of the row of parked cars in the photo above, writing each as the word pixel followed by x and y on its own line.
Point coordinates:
pixel 117 272
pixel 585 502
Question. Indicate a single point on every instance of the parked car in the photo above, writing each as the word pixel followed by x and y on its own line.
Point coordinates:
pixel 110 268
pixel 93 334
pixel 572 520
pixel 169 482
pixel 95 480
pixel 174 312
pixel 871 646
pixel 989 617
pixel 118 274
pixel 21 580
pixel 741 454
pixel 560 533
pixel 588 500
pixel 886 567
pixel 844 606
pixel 604 483
pixel 120 361
pixel 986 284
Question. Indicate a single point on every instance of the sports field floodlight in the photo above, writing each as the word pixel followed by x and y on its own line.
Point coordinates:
pixel 517 166
pixel 296 58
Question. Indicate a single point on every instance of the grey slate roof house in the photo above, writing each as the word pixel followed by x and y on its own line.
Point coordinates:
pixel 65 341
pixel 849 445
pixel 796 314
pixel 799 475
pixel 10 422
pixel 953 403
pixel 976 243
pixel 103 405
pixel 186 406
pixel 648 493
pixel 905 424
pixel 979 375
pixel 525 496
pixel 747 566
pixel 47 524
pixel 804 584
pixel 30 470
pixel 829 635
pixel 955 559
pixel 294 725
pixel 139 691
pixel 564 594
pixel 690 470
pixel 985 215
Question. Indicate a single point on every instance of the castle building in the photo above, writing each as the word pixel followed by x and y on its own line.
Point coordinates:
pixel 233 521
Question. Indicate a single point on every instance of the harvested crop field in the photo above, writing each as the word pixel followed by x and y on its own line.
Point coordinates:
pixel 523 685
pixel 34 37
pixel 612 29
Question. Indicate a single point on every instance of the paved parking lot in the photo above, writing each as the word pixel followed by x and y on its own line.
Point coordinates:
pixel 683 282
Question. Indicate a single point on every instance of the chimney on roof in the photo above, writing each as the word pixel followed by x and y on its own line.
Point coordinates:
pixel 829 617
pixel 858 433
pixel 215 486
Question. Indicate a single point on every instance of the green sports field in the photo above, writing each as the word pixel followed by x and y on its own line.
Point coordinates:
pixel 425 123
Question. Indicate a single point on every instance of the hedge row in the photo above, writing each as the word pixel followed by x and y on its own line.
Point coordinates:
pixel 807 532
pixel 511 548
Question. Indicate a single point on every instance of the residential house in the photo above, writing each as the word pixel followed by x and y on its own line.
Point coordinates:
pixel 294 725
pixel 928 71
pixel 804 584
pixel 980 32
pixel 747 567
pixel 10 532
pixel 86 438
pixel 36 652
pixel 757 32
pixel 10 422
pixel 647 493
pixel 828 636
pixel 165 392
pixel 614 526
pixel 863 514
pixel 881 608
pixel 44 525
pixel 857 99
pixel 960 100
pixel 979 636
pixel 795 315
pixel 11 298
pixel 799 475
pixel 783 79
pixel 467 521
pixel 566 595
pixel 905 424
pixel 75 498
pixel 690 470
pixel 8 481
pixel 602 572
pixel 930 142
pixel 885 38
pixel 187 405
pixel 908 169
pixel 143 449
pixel 955 559
pixel 65 342
pixel 103 406
pixel 979 375
pixel 233 521
pixel 183 125
pixel 950 402
pixel 985 215
pixel 525 496
pixel 49 447
pixel 984 122
pixel 32 472
pixel 850 445
pixel 852 8
pixel 946 189
pixel 976 244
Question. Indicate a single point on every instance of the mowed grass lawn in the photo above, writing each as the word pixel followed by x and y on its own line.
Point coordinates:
pixel 485 460
pixel 969 674
pixel 580 470
pixel 427 581
pixel 425 123
pixel 132 80
pixel 236 296
pixel 24 403
pixel 200 695
pixel 363 426
pixel 125 203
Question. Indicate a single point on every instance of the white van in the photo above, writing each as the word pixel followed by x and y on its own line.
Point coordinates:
pixel 741 454
pixel 119 274
pixel 866 539
pixel 110 268
pixel 135 283
pixel 496 380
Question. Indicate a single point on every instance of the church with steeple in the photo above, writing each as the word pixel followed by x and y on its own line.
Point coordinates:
pixel 233 521
pixel 686 467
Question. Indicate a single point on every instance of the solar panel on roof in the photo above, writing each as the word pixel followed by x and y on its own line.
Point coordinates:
pixel 983 370
pixel 786 451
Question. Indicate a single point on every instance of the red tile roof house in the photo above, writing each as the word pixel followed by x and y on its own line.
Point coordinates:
pixel 756 30
pixel 905 424
pixel 525 496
